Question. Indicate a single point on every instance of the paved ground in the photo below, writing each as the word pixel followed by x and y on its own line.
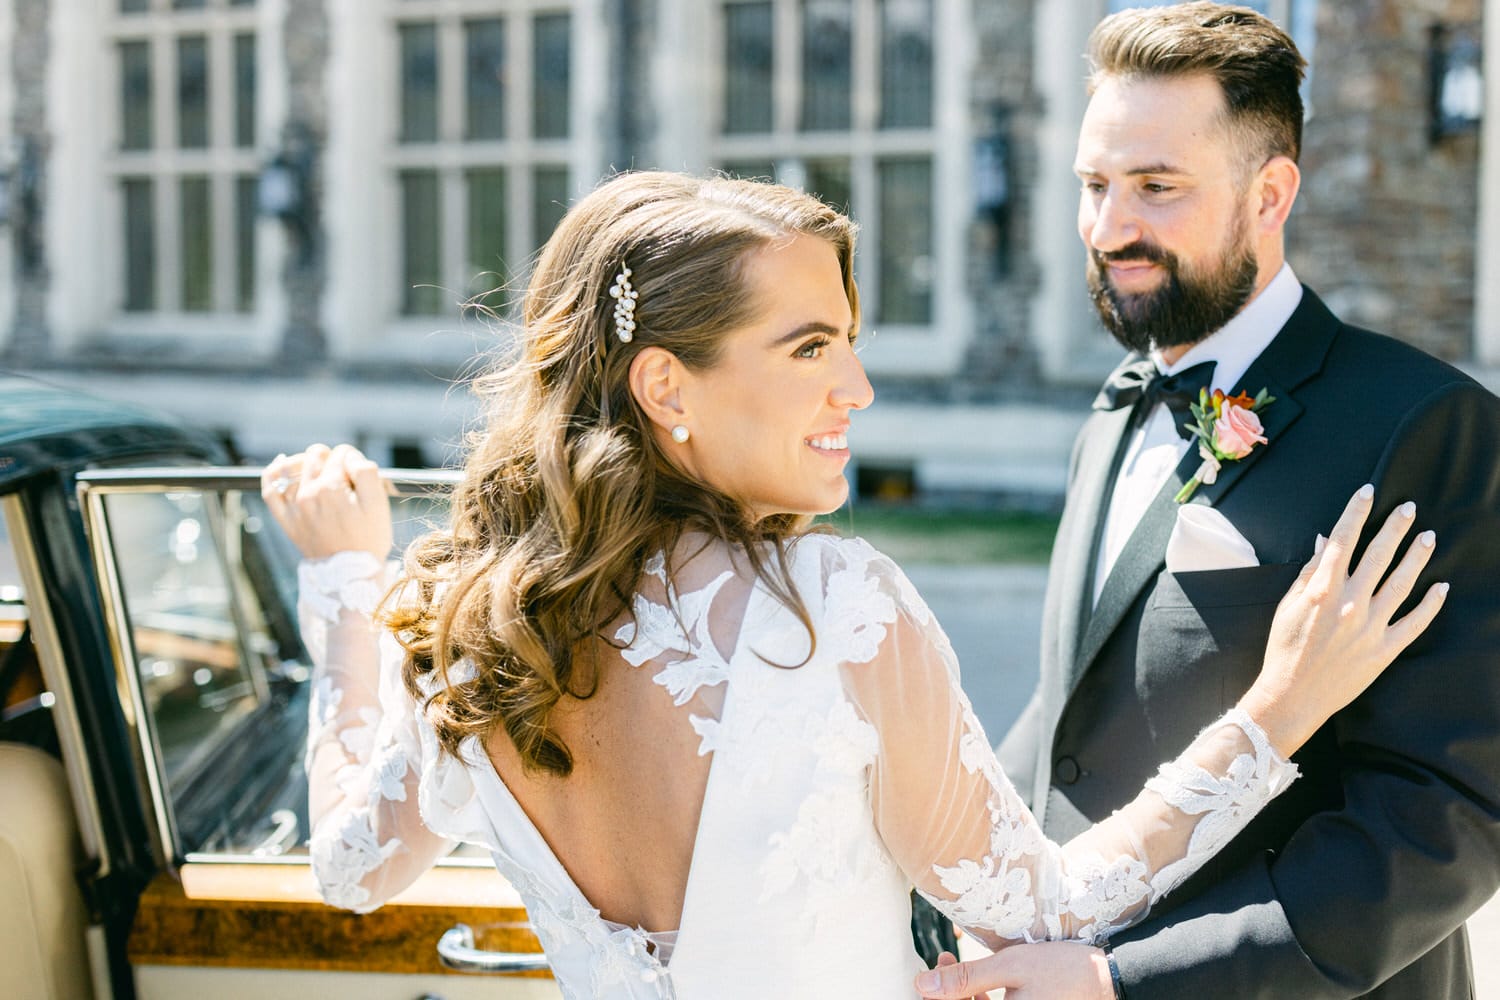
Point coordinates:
pixel 992 615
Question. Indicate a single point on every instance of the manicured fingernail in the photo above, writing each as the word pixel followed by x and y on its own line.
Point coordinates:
pixel 1443 589
pixel 1318 544
pixel 1407 510
pixel 1428 538
pixel 929 981
pixel 1367 492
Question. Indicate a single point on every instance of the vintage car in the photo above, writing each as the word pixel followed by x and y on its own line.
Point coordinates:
pixel 153 833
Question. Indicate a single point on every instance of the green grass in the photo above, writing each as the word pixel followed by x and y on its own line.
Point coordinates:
pixel 949 537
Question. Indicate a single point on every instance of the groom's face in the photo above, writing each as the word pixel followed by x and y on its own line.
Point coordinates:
pixel 1164 211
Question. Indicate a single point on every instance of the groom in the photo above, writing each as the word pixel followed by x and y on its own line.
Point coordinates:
pixel 1357 881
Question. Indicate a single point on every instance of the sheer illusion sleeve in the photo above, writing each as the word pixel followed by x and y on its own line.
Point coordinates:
pixel 956 826
pixel 364 751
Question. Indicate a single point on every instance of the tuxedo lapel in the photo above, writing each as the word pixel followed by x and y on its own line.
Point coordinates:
pixel 1104 440
pixel 1293 357
pixel 1139 561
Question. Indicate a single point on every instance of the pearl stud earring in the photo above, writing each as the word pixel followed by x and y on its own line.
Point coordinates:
pixel 680 434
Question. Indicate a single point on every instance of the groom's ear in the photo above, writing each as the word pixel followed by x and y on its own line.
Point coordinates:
pixel 1273 191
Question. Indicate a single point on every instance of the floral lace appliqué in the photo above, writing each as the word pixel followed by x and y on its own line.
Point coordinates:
pixel 681 626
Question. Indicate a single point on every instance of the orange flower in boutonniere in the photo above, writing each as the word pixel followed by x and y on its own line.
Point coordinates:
pixel 1227 430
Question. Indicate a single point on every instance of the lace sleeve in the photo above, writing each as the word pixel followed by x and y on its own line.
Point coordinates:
pixel 956 826
pixel 363 748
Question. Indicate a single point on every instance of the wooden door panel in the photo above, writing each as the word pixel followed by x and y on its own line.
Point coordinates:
pixel 223 922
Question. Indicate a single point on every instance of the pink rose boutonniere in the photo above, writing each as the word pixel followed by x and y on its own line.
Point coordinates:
pixel 1227 430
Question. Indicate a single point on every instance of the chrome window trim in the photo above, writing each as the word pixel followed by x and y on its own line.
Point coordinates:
pixel 55 676
pixel 399 482
pixel 131 695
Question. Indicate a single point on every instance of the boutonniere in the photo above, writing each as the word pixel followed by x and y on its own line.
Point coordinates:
pixel 1227 430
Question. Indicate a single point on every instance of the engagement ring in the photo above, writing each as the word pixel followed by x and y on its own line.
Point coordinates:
pixel 281 484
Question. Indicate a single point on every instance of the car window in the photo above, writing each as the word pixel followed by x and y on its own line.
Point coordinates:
pixel 12 597
pixel 200 668
pixel 15 644
pixel 202 588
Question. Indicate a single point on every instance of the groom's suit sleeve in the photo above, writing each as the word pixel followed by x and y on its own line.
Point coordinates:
pixel 1364 889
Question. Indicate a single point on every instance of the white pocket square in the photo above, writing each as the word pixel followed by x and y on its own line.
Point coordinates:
pixel 1204 539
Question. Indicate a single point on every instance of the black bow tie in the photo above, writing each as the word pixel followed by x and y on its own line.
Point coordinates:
pixel 1138 380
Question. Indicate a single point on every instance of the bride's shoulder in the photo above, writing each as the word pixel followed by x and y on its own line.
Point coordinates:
pixel 831 553
pixel 848 565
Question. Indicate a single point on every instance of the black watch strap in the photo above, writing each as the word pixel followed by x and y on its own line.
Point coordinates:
pixel 1114 974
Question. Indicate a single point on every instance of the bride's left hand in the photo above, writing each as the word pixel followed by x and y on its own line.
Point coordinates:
pixel 1050 970
pixel 329 501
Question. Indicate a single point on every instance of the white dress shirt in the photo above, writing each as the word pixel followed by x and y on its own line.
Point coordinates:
pixel 1155 448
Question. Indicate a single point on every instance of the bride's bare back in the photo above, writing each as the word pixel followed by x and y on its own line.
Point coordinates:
pixel 624 822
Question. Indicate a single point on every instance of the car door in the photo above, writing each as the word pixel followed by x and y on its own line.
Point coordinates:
pixel 198 586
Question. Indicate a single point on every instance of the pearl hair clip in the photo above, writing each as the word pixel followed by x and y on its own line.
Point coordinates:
pixel 624 294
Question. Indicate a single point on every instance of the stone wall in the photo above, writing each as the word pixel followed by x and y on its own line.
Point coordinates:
pixel 304 40
pixel 1385 226
pixel 1001 271
pixel 28 340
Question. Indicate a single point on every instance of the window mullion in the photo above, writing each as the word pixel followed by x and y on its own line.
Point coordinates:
pixel 226 256
pixel 518 82
pixel 220 90
pixel 160 162
pixel 519 142
pixel 786 71
pixel 519 218
pixel 169 271
pixel 865 195
pixel 451 93
pixel 866 97
pixel 449 149
pixel 221 138
pixel 455 263
pixel 163 54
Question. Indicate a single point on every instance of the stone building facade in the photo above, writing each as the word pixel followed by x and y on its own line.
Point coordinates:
pixel 1388 219
pixel 263 213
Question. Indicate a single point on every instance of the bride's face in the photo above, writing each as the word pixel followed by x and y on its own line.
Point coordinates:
pixel 769 421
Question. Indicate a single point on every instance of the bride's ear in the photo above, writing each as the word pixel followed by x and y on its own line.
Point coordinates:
pixel 656 378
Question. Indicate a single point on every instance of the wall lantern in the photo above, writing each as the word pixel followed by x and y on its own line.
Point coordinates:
pixel 284 188
pixel 1457 90
pixel 7 193
pixel 990 172
pixel 20 199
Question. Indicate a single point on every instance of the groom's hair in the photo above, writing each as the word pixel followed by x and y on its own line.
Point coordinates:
pixel 1255 63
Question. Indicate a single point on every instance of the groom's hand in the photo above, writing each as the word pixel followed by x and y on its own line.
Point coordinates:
pixel 1050 971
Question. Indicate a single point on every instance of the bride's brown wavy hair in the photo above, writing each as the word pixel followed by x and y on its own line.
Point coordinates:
pixel 565 493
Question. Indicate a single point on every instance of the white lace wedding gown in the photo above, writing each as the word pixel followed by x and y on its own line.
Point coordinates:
pixel 833 788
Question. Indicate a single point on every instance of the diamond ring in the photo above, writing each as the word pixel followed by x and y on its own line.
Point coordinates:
pixel 281 484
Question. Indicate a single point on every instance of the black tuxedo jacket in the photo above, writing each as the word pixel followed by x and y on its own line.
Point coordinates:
pixel 1357 880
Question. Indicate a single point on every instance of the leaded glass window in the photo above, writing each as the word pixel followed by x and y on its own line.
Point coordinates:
pixel 185 154
pixel 748 58
pixel 827 63
pixel 838 97
pixel 485 118
pixel 906 63
pixel 484 99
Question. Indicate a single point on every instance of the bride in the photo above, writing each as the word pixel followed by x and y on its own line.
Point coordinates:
pixel 710 746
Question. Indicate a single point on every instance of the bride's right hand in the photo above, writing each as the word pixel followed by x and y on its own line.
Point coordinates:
pixel 1333 633
pixel 329 500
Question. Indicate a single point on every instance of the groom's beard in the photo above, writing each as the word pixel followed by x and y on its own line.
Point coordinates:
pixel 1185 308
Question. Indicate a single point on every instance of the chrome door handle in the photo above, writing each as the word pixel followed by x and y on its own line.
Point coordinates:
pixel 456 951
